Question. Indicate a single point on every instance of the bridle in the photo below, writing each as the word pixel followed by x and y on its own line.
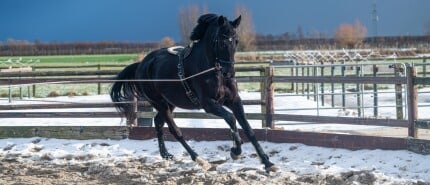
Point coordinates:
pixel 221 65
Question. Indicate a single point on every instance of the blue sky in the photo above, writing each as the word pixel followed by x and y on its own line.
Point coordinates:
pixel 145 20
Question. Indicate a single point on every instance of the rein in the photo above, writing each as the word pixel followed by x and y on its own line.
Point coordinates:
pixel 128 80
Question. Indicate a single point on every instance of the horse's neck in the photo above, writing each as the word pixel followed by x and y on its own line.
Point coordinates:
pixel 204 59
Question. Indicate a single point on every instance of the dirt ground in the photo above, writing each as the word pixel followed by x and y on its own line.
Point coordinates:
pixel 138 171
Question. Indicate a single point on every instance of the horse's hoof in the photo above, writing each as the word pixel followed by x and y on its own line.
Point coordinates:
pixel 235 153
pixel 203 163
pixel 272 168
pixel 167 156
pixel 234 156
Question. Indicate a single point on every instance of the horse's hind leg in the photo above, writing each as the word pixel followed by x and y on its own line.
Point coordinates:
pixel 159 123
pixel 176 132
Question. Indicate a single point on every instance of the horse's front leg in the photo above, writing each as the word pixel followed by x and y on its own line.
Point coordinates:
pixel 237 107
pixel 211 106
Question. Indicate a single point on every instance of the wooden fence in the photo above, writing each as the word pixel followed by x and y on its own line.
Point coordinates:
pixel 267 79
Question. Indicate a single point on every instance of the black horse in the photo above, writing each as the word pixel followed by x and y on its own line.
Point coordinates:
pixel 201 78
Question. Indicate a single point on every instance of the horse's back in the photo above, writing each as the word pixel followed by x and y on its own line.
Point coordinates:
pixel 159 64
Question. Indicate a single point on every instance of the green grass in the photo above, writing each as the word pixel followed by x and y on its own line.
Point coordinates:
pixel 70 59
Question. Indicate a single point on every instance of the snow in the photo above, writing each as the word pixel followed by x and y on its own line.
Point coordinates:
pixel 393 166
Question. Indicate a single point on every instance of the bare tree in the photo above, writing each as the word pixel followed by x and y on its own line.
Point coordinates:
pixel 350 36
pixel 167 42
pixel 188 19
pixel 360 32
pixel 245 30
pixel 427 28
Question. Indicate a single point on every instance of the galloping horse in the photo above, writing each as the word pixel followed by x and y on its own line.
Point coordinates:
pixel 201 77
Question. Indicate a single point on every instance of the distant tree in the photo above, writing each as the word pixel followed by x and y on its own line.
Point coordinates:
pixel 427 27
pixel 300 33
pixel 167 42
pixel 350 36
pixel 188 19
pixel 245 30
pixel 360 32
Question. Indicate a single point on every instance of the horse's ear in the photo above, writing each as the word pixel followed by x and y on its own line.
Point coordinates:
pixel 221 20
pixel 236 22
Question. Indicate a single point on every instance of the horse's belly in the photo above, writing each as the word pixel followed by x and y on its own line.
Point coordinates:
pixel 175 95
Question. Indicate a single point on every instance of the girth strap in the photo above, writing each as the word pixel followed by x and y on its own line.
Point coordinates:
pixel 181 74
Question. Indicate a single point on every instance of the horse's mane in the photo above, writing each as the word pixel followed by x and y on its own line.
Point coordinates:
pixel 202 24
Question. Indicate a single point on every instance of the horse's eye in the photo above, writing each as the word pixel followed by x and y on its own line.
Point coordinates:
pixel 230 39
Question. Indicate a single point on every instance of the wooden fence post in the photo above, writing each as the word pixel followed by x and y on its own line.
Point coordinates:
pixel 292 74
pixel 263 95
pixel 307 83
pixel 424 68
pixel 270 110
pixel 359 91
pixel 322 87
pixel 34 85
pixel 398 90
pixel 99 87
pixel 141 122
pixel 332 84
pixel 343 87
pixel 375 93
pixel 303 84
pixel 412 102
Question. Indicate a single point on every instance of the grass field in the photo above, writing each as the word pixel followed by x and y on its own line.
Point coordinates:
pixel 67 60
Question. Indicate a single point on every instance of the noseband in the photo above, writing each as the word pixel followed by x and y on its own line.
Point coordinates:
pixel 221 65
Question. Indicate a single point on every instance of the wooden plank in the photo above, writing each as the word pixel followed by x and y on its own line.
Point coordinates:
pixel 421 80
pixel 200 115
pixel 341 120
pixel 65 132
pixel 78 66
pixel 339 79
pixel 62 105
pixel 56 80
pixel 97 72
pixel 59 114
pixel 16 70
pixel 423 124
pixel 105 79
pixel 254 79
pixel 203 115
pixel 353 142
pixel 88 105
pixel 298 118
pixel 419 146
pixel 60 73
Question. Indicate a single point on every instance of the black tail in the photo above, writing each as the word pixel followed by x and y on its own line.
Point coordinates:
pixel 123 92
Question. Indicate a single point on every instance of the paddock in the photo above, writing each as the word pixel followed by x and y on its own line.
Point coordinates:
pixel 309 82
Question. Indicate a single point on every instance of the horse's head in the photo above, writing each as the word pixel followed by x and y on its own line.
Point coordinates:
pixel 221 38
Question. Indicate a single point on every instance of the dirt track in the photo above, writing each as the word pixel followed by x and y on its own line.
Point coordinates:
pixel 139 171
